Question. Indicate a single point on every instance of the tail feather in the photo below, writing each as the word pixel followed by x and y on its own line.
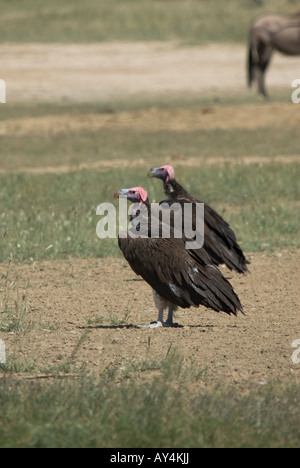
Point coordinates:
pixel 211 289
pixel 232 256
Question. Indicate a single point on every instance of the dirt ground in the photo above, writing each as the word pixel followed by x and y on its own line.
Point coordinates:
pixel 85 311
pixel 80 73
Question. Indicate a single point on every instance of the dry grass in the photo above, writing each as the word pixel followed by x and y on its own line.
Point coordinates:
pixel 247 117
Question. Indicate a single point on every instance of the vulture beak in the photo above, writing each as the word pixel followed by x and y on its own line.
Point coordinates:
pixel 122 193
pixel 152 172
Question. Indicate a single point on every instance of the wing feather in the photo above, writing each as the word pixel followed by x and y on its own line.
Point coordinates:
pixel 179 275
pixel 219 239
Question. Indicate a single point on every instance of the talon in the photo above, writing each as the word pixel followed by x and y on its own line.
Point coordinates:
pixel 171 324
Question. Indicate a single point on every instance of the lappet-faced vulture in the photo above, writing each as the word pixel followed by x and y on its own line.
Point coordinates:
pixel 179 277
pixel 219 239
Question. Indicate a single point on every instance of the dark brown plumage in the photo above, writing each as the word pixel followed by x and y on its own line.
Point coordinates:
pixel 179 277
pixel 219 239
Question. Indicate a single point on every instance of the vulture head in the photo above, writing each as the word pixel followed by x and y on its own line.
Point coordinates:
pixel 135 194
pixel 165 173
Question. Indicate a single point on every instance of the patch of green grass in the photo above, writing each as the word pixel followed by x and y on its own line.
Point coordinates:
pixel 54 216
pixel 14 304
pixel 86 146
pixel 15 311
pixel 122 410
pixel 265 213
pixel 99 20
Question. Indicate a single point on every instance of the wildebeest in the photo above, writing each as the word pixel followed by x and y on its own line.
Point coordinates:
pixel 268 33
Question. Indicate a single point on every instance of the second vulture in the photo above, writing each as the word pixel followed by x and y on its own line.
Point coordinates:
pixel 219 239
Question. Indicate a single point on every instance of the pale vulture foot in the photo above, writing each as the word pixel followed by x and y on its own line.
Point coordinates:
pixel 159 324
pixel 151 325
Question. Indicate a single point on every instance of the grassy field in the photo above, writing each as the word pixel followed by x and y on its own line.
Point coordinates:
pixel 260 203
pixel 59 209
pixel 187 21
pixel 48 212
pixel 29 139
pixel 129 413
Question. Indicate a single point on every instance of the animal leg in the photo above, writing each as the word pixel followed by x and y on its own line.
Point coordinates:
pixel 264 61
pixel 160 321
pixel 169 322
pixel 261 83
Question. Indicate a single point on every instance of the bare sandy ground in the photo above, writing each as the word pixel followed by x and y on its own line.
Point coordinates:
pixel 85 311
pixel 101 71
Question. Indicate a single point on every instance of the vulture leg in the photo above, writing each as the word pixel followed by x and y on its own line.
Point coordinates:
pixel 160 321
pixel 169 322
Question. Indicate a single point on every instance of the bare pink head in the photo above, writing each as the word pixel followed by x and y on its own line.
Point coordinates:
pixel 134 194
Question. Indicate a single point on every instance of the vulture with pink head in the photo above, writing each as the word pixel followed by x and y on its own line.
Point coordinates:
pixel 179 277
pixel 219 239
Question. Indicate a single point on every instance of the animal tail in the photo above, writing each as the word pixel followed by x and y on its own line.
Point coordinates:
pixel 250 65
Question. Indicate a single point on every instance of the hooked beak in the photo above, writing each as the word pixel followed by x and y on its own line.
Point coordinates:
pixel 122 193
pixel 152 172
